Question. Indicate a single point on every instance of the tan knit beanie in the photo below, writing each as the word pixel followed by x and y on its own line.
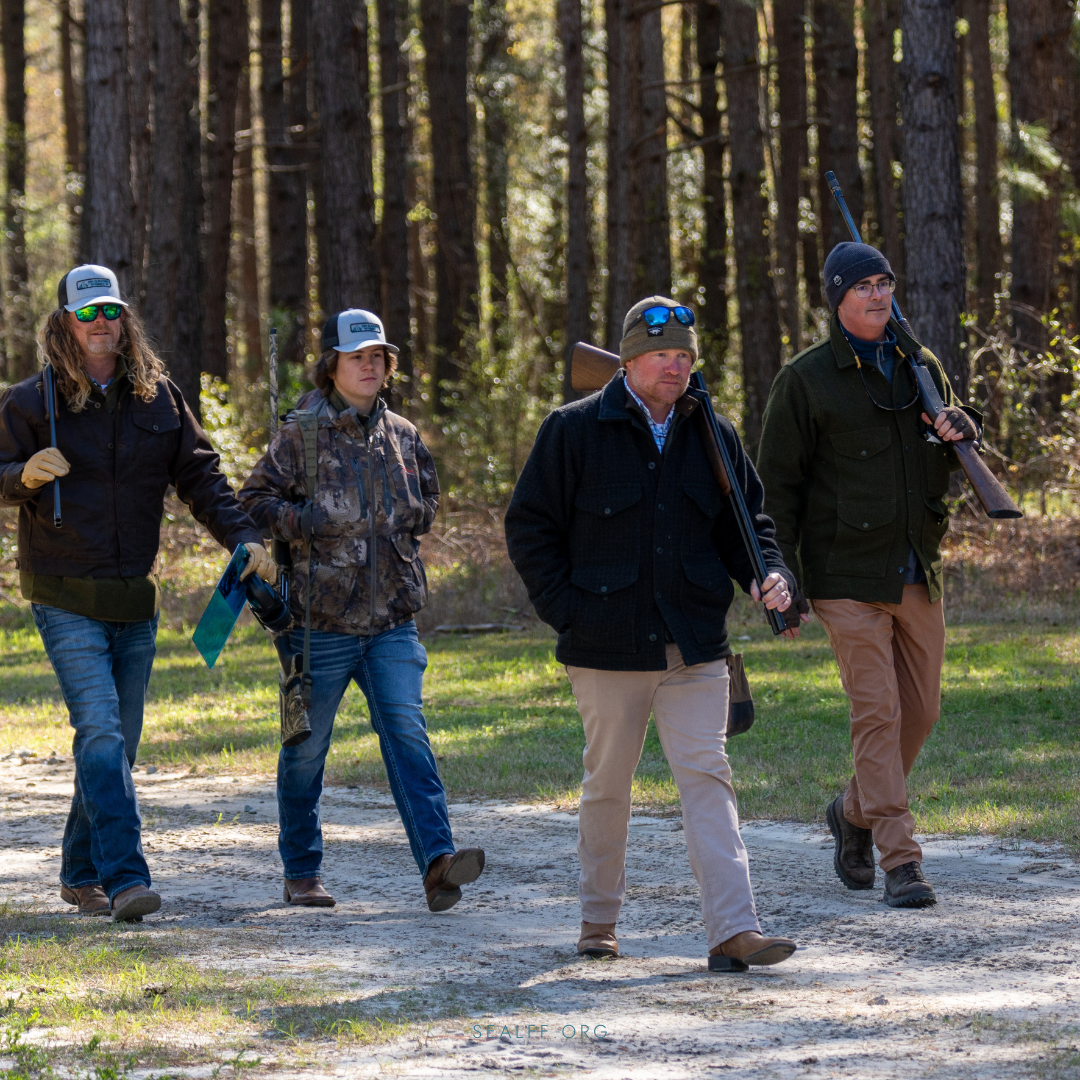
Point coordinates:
pixel 638 338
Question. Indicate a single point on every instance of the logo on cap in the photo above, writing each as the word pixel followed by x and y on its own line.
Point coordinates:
pixel 656 331
pixel 838 280
pixel 93 283
pixel 363 328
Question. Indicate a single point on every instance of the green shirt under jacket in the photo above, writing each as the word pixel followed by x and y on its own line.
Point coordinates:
pixel 853 488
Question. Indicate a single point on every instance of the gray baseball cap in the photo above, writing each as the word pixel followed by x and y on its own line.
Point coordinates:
pixel 88 284
pixel 355 329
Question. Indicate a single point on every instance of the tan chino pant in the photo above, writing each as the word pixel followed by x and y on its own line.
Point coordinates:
pixel 890 658
pixel 690 706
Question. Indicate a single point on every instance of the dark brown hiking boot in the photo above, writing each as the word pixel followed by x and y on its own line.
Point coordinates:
pixel 307 892
pixel 598 941
pixel 749 947
pixel 132 904
pixel 446 875
pixel 90 899
pixel 905 886
pixel 853 857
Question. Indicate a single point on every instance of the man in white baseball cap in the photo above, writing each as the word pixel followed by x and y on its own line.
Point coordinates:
pixel 355 329
pixel 88 284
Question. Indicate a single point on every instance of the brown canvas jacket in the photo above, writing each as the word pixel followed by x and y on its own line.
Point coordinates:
pixel 376 494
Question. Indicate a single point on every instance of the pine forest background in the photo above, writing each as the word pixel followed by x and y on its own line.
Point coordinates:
pixel 499 178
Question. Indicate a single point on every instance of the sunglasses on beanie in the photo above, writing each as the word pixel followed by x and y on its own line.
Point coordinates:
pixel 661 315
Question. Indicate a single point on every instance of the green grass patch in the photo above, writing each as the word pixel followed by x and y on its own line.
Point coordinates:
pixel 1003 759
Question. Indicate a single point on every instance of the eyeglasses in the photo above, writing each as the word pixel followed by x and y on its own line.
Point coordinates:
pixel 90 312
pixel 660 316
pixel 864 290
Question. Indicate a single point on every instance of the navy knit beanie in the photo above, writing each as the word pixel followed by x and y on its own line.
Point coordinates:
pixel 850 262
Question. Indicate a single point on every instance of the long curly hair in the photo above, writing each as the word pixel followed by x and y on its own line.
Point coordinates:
pixel 57 345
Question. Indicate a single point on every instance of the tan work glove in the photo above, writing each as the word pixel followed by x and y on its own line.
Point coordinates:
pixel 44 466
pixel 261 564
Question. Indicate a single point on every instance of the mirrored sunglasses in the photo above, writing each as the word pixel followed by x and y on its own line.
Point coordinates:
pixel 90 312
pixel 659 316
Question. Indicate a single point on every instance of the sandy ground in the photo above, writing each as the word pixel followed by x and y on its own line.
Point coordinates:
pixel 987 984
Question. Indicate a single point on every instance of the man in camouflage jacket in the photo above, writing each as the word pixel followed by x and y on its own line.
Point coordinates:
pixel 355 545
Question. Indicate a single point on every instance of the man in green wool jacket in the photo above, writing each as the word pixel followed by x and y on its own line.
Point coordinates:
pixel 855 476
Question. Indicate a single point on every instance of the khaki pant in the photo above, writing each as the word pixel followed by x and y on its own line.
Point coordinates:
pixel 690 706
pixel 890 658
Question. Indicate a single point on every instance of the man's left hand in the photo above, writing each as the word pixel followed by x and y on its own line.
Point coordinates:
pixel 778 596
pixel 261 564
pixel 953 424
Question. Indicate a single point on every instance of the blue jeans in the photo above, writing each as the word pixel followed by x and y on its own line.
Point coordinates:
pixel 389 669
pixel 103 669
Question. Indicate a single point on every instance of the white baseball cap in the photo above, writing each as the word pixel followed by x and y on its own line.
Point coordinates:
pixel 354 329
pixel 88 284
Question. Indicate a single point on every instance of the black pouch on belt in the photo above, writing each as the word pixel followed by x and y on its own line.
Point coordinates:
pixel 740 713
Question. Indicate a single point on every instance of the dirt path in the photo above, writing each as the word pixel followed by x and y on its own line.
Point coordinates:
pixel 985 984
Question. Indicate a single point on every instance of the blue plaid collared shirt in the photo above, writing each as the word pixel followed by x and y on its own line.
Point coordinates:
pixel 659 431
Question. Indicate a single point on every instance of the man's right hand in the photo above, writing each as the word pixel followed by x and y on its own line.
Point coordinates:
pixel 44 466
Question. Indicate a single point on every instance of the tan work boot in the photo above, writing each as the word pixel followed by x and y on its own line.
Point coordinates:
pixel 749 947
pixel 307 892
pixel 446 875
pixel 90 899
pixel 598 941
pixel 132 904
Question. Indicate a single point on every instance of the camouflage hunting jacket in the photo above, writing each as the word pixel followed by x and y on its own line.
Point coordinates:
pixel 376 494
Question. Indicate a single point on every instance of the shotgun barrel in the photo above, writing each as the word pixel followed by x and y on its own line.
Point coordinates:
pixel 995 500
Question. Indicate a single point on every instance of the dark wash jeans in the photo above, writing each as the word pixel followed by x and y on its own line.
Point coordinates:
pixel 103 669
pixel 389 669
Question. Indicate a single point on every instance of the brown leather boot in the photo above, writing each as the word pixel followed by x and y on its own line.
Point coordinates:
pixel 91 899
pixel 598 941
pixel 307 892
pixel 853 857
pixel 132 904
pixel 749 947
pixel 446 875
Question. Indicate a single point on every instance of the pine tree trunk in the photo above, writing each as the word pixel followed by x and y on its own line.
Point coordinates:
pixel 933 208
pixel 19 331
pixel 577 192
pixel 621 256
pixel 987 202
pixel 247 275
pixel 173 309
pixel 108 140
pixel 882 17
pixel 790 32
pixel 445 32
pixel 395 222
pixel 71 96
pixel 649 133
pixel 139 47
pixel 759 320
pixel 712 273
pixel 494 86
pixel 226 50
pixel 838 100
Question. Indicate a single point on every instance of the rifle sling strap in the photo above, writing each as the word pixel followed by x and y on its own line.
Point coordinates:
pixel 309 431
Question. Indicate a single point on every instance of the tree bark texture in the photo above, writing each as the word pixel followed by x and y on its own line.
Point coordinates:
pixel 173 308
pixel 882 18
pixel 395 222
pixel 286 180
pixel 18 327
pixel 227 43
pixel 71 95
pixel 838 133
pixel 759 321
pixel 712 273
pixel 987 199
pixel 494 86
pixel 790 33
pixel 933 207
pixel 139 48
pixel 247 261
pixel 620 255
pixel 577 193
pixel 109 207
pixel 445 33
pixel 1042 85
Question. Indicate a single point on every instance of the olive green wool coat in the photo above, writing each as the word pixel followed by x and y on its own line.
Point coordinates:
pixel 852 487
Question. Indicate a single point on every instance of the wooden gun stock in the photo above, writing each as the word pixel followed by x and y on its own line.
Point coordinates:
pixel 591 368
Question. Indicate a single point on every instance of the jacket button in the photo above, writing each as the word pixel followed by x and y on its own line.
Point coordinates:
pixel 659 551
pixel 658 594
pixel 607 509
pixel 155 427
pixel 862 453
pixel 652 637
pixel 900 569
pixel 603 588
pixel 866 524
pixel 652 464
pixel 659 506
pixel 110 446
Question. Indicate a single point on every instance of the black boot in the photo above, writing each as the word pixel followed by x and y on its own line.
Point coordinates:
pixel 905 886
pixel 853 858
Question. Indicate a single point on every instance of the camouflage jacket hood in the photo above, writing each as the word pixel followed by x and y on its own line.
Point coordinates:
pixel 376 494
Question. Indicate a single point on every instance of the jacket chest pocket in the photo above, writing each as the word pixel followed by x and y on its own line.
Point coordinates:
pixel 865 503
pixel 606 519
pixel 152 429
